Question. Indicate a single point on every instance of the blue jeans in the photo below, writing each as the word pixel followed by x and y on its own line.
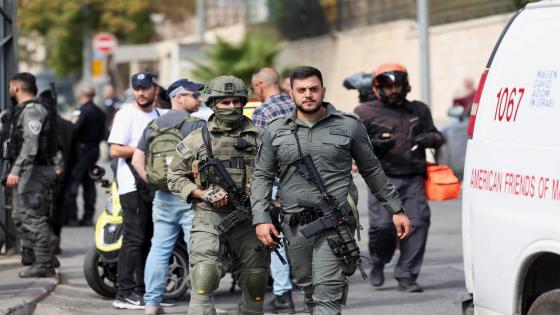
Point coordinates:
pixel 170 214
pixel 280 273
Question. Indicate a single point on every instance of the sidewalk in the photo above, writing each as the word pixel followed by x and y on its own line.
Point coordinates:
pixel 20 296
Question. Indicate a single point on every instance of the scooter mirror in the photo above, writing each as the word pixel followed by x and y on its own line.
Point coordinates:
pixel 96 172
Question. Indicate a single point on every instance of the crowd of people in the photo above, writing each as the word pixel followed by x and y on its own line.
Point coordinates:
pixel 239 188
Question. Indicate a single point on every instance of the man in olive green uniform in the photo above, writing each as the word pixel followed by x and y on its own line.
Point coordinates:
pixel 31 151
pixel 208 247
pixel 332 139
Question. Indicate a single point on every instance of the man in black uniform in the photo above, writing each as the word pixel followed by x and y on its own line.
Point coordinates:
pixel 65 159
pixel 89 131
pixel 400 131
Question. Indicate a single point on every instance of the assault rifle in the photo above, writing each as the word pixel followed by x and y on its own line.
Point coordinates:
pixel 240 201
pixel 333 216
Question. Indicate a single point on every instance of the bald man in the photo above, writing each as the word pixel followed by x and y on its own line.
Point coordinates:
pixel 89 131
pixel 275 103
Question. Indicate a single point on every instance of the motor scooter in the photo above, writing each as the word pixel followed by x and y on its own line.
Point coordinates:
pixel 101 260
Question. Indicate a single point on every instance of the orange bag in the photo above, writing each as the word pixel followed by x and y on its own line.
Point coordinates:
pixel 441 183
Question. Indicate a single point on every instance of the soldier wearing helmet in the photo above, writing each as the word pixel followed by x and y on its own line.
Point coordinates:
pixel 400 131
pixel 233 140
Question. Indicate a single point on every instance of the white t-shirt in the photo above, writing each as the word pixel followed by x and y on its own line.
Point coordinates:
pixel 128 126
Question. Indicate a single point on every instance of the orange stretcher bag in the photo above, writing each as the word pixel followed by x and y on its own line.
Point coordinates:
pixel 441 183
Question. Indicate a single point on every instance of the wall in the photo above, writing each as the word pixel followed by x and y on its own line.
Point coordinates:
pixel 458 50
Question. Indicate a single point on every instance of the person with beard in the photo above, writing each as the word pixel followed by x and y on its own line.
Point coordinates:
pixel 332 139
pixel 31 153
pixel 233 139
pixel 136 201
pixel 399 130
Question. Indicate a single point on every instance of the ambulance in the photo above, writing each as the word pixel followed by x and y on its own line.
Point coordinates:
pixel 511 197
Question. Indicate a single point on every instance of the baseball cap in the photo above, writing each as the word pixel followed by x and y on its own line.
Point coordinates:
pixel 143 79
pixel 183 85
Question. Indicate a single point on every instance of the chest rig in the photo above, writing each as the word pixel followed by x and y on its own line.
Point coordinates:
pixel 235 153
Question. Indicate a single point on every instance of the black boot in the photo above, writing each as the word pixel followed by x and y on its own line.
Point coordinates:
pixel 38 271
pixel 281 304
pixel 27 256
pixel 55 262
pixel 376 276
pixel 409 285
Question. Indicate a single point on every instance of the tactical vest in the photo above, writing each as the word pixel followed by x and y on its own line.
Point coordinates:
pixel 238 163
pixel 47 138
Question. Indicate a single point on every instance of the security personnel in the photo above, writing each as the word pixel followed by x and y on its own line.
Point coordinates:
pixel 332 139
pixel 209 248
pixel 31 149
pixel 400 130
pixel 89 131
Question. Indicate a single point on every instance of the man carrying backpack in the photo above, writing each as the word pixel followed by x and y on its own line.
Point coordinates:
pixel 151 160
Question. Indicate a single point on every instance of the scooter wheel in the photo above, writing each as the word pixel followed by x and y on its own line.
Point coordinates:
pixel 100 276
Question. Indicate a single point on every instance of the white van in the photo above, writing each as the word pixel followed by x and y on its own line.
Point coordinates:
pixel 511 199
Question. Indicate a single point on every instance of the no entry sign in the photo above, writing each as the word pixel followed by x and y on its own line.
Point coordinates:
pixel 104 43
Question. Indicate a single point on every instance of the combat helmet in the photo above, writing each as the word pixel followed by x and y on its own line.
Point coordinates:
pixel 225 86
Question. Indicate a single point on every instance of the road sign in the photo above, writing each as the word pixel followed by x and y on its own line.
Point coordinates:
pixel 104 43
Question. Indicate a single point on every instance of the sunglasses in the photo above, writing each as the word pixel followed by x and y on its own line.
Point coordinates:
pixel 194 95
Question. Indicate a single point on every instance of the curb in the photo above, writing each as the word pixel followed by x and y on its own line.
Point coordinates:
pixel 25 301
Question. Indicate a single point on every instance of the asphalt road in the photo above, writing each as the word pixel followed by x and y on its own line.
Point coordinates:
pixel 441 276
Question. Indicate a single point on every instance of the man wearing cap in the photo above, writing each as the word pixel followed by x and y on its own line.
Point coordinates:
pixel 170 213
pixel 128 125
pixel 232 139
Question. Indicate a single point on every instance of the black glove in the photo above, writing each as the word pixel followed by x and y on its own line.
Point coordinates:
pixel 424 140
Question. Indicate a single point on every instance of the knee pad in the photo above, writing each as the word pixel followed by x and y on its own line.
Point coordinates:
pixel 253 281
pixel 205 278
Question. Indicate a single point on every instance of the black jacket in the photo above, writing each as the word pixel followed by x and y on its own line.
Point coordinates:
pixel 399 135
pixel 90 127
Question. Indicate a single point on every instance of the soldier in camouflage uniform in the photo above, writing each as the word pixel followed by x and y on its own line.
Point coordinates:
pixel 208 247
pixel 30 151
pixel 332 139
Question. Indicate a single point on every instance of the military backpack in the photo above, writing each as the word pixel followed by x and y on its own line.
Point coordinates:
pixel 161 151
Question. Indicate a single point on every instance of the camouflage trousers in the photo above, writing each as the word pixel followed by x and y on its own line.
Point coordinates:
pixel 211 254
pixel 31 205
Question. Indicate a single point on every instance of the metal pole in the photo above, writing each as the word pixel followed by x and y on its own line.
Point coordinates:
pixel 423 11
pixel 200 20
pixel 86 47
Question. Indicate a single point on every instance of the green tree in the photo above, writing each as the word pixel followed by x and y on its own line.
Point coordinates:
pixel 59 25
pixel 255 51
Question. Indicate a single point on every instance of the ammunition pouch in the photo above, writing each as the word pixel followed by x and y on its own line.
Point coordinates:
pixel 231 220
pixel 302 218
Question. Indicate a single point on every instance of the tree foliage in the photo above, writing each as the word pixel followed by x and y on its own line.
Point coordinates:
pixel 59 24
pixel 255 51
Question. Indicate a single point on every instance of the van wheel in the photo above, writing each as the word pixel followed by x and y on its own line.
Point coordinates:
pixel 546 304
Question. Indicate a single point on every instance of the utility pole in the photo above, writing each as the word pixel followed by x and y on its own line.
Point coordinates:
pixel 200 20
pixel 423 14
pixel 86 47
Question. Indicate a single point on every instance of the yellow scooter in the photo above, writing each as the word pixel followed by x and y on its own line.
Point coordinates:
pixel 100 261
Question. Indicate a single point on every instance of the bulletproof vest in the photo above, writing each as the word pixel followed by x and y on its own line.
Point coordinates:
pixel 238 162
pixel 47 137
